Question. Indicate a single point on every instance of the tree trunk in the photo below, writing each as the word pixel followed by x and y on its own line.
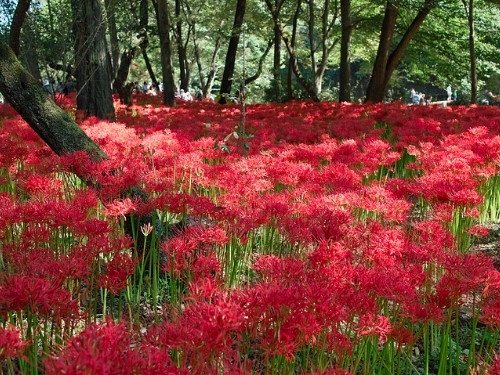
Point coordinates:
pixel 375 91
pixel 396 55
pixel 143 36
pixel 55 126
pixel 277 66
pixel 148 66
pixel 50 122
pixel 166 53
pixel 181 50
pixel 257 74
pixel 17 24
pixel 227 76
pixel 345 61
pixel 94 96
pixel 472 54
pixel 113 35
pixel 125 91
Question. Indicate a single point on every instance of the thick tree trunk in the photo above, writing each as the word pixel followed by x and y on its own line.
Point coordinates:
pixel 93 76
pixel 17 24
pixel 50 122
pixel 227 76
pixel 166 53
pixel 345 61
pixel 386 64
pixel 113 34
pixel 472 53
pixel 376 90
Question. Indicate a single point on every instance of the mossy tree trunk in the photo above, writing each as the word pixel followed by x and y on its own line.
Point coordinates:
pixel 55 126
pixel 50 122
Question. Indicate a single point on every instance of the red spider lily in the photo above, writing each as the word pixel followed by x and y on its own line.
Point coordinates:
pixel 108 349
pixel 11 345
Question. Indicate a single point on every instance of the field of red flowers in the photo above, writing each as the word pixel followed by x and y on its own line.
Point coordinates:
pixel 297 238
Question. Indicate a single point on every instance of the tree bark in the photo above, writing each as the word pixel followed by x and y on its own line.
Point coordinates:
pixel 113 35
pixel 277 90
pixel 93 76
pixel 17 24
pixel 396 55
pixel 290 46
pixel 56 127
pixel 123 90
pixel 375 91
pixel 50 122
pixel 345 61
pixel 232 49
pixel 166 53
pixel 149 67
pixel 386 64
pixel 181 50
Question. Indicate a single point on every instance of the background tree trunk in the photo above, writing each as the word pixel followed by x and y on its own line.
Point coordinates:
pixel 92 67
pixel 17 24
pixel 375 91
pixel 232 49
pixel 472 52
pixel 345 61
pixel 181 50
pixel 166 53
pixel 113 35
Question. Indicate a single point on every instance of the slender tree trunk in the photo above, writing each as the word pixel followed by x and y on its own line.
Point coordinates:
pixel 166 53
pixel 257 74
pixel 277 66
pixel 345 60
pixel 181 50
pixel 232 49
pixel 375 91
pixel 93 76
pixel 398 52
pixel 149 67
pixel 17 24
pixel 113 34
pixel 119 85
pixel 472 52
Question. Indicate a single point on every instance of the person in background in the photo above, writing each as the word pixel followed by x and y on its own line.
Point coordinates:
pixel 448 92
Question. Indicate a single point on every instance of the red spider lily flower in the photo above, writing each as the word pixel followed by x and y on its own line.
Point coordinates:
pixel 377 325
pixel 108 349
pixel 117 270
pixel 120 207
pixel 11 344
pixel 37 295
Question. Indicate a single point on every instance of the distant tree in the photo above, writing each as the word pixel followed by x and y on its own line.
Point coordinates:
pixel 386 61
pixel 232 49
